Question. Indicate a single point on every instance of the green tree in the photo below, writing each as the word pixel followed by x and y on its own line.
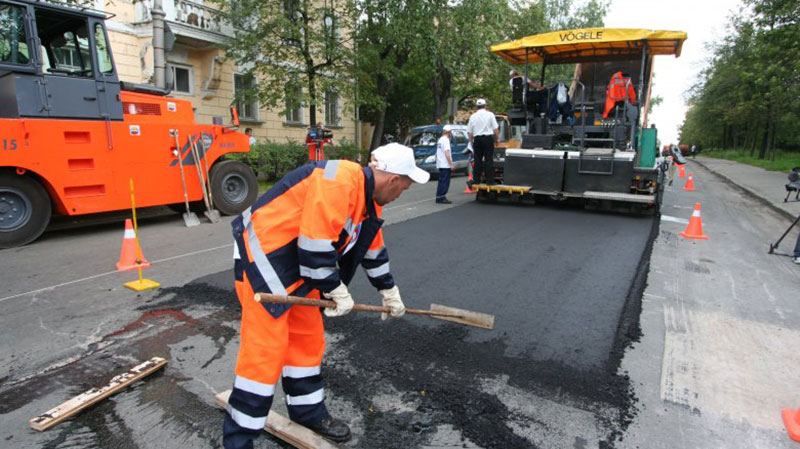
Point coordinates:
pixel 745 98
pixel 296 49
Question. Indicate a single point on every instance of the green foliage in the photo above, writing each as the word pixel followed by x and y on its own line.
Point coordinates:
pixel 747 95
pixel 781 161
pixel 297 44
pixel 343 149
pixel 272 160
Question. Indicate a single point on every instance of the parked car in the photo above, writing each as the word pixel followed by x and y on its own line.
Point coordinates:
pixel 422 140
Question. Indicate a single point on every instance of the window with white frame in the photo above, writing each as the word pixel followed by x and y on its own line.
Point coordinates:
pixel 245 94
pixel 182 78
pixel 294 103
pixel 332 117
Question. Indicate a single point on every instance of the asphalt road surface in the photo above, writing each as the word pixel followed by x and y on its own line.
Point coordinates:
pixel 564 284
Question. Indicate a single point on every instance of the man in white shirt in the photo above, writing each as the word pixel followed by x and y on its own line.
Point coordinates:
pixel 483 133
pixel 444 163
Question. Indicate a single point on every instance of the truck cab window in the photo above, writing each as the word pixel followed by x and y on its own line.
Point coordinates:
pixel 103 51
pixel 13 45
pixel 66 44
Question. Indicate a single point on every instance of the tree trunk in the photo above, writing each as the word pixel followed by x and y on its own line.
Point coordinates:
pixel 312 97
pixel 378 131
pixel 441 85
pixel 762 152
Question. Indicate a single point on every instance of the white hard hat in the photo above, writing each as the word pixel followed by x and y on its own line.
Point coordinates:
pixel 481 102
pixel 399 159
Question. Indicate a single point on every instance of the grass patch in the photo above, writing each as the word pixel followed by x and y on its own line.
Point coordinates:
pixel 784 160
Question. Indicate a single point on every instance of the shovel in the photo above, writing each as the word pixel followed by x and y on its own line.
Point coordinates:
pixel 210 213
pixel 189 218
pixel 461 316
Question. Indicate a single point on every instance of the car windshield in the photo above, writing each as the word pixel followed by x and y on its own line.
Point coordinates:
pixel 423 138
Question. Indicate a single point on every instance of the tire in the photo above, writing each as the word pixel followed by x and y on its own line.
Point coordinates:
pixel 25 210
pixel 233 187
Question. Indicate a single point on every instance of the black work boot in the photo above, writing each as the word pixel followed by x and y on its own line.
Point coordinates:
pixel 333 429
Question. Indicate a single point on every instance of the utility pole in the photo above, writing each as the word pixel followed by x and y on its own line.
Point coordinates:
pixel 159 60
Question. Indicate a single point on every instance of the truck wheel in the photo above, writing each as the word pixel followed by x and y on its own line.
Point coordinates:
pixel 24 210
pixel 233 187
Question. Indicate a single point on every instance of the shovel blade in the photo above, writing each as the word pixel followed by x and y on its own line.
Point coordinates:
pixel 212 215
pixel 468 317
pixel 190 219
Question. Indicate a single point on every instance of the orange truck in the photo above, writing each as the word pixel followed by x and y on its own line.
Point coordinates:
pixel 72 136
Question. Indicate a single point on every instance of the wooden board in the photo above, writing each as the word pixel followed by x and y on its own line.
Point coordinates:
pixel 286 429
pixel 95 395
pixel 478 319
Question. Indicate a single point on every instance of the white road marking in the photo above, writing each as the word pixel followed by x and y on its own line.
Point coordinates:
pixel 108 273
pixel 674 219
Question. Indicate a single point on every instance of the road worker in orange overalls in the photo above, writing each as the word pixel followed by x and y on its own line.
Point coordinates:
pixel 619 89
pixel 306 237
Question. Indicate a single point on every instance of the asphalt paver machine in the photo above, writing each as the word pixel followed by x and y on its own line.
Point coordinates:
pixel 586 136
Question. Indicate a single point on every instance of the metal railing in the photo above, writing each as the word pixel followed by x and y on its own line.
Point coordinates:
pixel 185 12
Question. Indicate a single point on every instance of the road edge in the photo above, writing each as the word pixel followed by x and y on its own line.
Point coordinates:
pixel 746 191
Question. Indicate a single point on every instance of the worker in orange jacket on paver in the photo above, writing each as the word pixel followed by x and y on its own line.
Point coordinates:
pixel 305 237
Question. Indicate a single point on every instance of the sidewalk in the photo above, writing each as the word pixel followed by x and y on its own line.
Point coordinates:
pixel 767 186
pixel 720 321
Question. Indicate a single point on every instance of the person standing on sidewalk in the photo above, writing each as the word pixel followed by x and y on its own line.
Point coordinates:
pixel 796 258
pixel 483 133
pixel 444 163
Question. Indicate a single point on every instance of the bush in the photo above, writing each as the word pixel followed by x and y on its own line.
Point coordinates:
pixel 272 160
pixel 344 149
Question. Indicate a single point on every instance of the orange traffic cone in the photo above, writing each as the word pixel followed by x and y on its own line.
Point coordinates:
pixel 791 419
pixel 467 189
pixel 689 186
pixel 130 256
pixel 694 230
pixel 681 171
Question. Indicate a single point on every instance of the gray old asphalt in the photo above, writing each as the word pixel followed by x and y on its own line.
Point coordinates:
pixel 557 303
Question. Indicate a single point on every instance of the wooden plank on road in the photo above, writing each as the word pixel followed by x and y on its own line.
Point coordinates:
pixel 95 395
pixel 286 429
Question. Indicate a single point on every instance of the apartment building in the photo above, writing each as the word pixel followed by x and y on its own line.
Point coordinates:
pixel 202 73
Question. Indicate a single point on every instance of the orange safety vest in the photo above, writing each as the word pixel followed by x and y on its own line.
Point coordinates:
pixel 619 89
pixel 310 231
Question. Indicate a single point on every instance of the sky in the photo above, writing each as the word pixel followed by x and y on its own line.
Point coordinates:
pixel 703 20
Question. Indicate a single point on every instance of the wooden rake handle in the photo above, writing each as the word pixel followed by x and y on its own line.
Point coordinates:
pixel 328 304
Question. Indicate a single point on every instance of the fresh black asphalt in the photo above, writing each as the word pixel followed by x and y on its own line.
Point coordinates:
pixel 560 282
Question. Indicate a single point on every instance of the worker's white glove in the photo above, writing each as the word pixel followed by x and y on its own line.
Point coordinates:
pixel 344 302
pixel 391 299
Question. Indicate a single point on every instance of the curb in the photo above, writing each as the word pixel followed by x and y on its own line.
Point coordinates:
pixel 747 191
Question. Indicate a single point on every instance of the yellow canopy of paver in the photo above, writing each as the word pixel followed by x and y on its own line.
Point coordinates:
pixel 589 44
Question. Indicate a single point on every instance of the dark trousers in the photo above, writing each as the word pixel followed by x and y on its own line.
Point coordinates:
pixel 444 183
pixel 797 247
pixel 484 159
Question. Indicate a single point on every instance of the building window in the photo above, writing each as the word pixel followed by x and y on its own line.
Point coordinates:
pixel 294 104
pixel 182 79
pixel 332 117
pixel 245 94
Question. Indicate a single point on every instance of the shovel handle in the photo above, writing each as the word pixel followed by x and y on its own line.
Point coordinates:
pixel 328 304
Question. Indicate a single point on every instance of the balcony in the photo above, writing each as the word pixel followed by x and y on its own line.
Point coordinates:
pixel 193 23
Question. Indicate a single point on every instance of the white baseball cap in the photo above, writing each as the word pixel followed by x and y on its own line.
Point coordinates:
pixel 447 128
pixel 481 102
pixel 399 159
